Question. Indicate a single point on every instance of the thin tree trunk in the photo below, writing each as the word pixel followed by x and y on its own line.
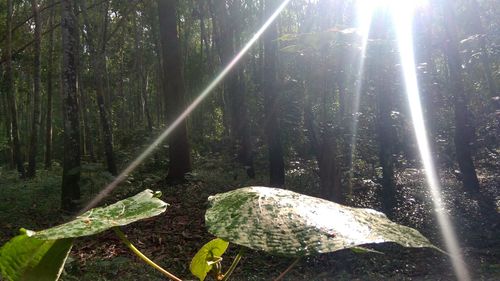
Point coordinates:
pixel 70 195
pixel 464 130
pixel 179 149
pixel 98 61
pixel 9 90
pixel 142 75
pixel 234 87
pixel 48 125
pixel 35 126
pixel 8 132
pixel 271 106
pixel 385 127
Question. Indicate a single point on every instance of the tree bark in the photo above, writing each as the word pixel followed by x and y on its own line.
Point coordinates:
pixel 141 74
pixel 174 92
pixel 464 130
pixel 385 126
pixel 70 195
pixel 9 155
pixel 48 120
pixel 35 125
pixel 11 98
pixel 271 103
pixel 234 87
pixel 98 61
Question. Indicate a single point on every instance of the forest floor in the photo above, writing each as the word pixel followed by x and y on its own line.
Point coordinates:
pixel 172 238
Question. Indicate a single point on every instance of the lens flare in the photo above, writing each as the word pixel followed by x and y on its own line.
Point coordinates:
pixel 136 162
pixel 403 18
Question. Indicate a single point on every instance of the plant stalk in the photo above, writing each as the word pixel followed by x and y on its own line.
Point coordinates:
pixel 129 244
pixel 287 269
pixel 233 265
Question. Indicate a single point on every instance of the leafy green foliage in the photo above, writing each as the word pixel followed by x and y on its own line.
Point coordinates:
pixel 28 258
pixel 209 255
pixel 41 255
pixel 287 223
pixel 141 206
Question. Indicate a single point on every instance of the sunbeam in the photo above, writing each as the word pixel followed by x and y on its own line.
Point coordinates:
pixel 403 17
pixel 402 14
pixel 364 13
pixel 136 162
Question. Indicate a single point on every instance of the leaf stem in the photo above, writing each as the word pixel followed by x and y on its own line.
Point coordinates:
pixel 287 269
pixel 142 256
pixel 234 264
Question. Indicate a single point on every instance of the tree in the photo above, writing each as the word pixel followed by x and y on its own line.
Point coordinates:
pixel 11 98
pixel 271 102
pixel 174 92
pixel 228 39
pixel 385 127
pixel 70 195
pixel 98 62
pixel 50 79
pixel 477 29
pixel 35 124
pixel 464 130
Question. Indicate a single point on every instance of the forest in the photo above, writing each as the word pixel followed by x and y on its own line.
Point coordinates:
pixel 348 106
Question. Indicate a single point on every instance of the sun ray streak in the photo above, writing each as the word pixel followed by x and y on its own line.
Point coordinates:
pixel 364 23
pixel 403 24
pixel 136 162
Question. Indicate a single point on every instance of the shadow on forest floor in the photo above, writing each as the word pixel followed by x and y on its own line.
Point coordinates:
pixel 172 238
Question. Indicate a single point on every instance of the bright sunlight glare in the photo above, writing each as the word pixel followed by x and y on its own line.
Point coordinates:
pixel 402 21
pixel 133 165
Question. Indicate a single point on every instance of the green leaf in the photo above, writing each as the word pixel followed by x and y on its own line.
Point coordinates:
pixel 292 49
pixel 28 258
pixel 141 206
pixel 283 222
pixel 363 250
pixel 206 257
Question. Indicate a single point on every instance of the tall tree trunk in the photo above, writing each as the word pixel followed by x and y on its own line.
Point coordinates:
pixel 464 130
pixel 9 155
pixel 385 125
pixel 70 195
pixel 324 146
pixel 48 120
pixel 271 106
pixel 142 74
pixel 234 87
pixel 179 149
pixel 11 97
pixel 101 89
pixel 35 126
pixel 98 61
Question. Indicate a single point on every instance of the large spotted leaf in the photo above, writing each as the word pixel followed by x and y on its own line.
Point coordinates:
pixel 28 258
pixel 141 206
pixel 287 223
